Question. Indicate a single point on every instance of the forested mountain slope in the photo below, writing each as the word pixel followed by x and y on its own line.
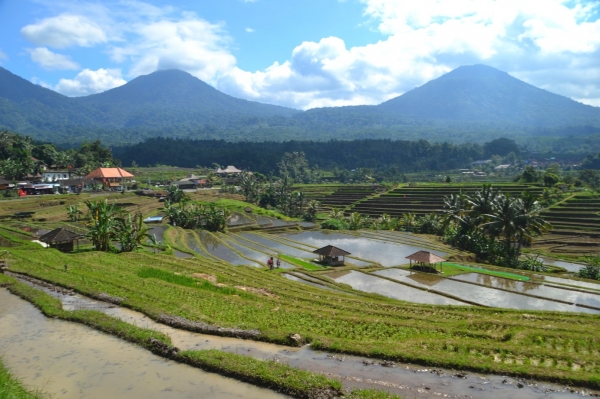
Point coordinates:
pixel 471 103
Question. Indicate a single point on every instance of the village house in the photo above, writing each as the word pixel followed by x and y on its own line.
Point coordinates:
pixel 51 175
pixel 110 178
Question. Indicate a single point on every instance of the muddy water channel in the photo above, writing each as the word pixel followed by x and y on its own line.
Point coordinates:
pixel 486 294
pixel 69 360
pixel 384 253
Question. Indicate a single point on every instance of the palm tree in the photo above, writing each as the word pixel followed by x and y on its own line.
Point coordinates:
pixel 529 222
pixel 311 210
pixel 355 221
pixel 455 209
pixel 336 214
pixel 408 220
pixel 504 222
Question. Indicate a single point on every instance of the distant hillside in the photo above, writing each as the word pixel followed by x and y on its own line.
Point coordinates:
pixel 471 103
pixel 480 93
pixel 466 97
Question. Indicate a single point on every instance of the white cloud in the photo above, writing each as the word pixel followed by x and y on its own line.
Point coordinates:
pixel 554 44
pixel 49 60
pixel 3 57
pixel 190 44
pixel 551 44
pixel 64 31
pixel 90 82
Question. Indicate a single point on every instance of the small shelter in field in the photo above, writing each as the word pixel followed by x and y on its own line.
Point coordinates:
pixel 110 178
pixel 61 239
pixel 330 255
pixel 229 170
pixel 426 261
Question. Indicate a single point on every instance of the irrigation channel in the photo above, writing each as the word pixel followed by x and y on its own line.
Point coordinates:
pixel 69 360
pixel 389 249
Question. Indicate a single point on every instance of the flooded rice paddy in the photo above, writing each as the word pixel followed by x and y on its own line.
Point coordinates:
pixel 568 266
pixel 369 283
pixel 533 289
pixel 485 294
pixel 70 360
pixel 382 252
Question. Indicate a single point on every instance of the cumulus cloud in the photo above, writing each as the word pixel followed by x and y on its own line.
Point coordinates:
pixel 555 46
pixel 90 82
pixel 64 31
pixel 49 60
pixel 191 44
pixel 249 30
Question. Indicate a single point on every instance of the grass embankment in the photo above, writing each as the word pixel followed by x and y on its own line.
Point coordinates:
pixel 453 269
pixel 299 262
pixel 11 388
pixel 544 345
pixel 278 376
pixel 271 374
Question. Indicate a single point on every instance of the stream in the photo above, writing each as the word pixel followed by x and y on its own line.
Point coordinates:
pixel 71 360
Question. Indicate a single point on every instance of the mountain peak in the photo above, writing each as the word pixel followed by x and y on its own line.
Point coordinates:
pixel 480 93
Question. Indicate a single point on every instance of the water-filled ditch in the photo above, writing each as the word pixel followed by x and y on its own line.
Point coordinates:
pixel 71 360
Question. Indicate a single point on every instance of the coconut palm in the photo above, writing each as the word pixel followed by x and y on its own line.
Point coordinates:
pixel 455 209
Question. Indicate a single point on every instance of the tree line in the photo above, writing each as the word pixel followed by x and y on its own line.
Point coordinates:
pixel 409 156
pixel 21 156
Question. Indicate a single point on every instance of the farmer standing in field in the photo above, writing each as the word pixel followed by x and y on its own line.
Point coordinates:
pixel 278 263
pixel 270 263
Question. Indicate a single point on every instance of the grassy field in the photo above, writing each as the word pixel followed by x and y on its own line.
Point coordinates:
pixel 544 345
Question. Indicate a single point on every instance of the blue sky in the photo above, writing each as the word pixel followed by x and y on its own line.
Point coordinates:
pixel 302 53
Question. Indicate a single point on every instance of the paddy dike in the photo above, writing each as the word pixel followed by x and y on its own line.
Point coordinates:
pixel 72 360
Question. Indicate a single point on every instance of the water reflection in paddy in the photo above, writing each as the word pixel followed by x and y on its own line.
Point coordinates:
pixel 221 251
pixel 566 281
pixel 571 267
pixel 368 283
pixel 277 246
pixel 69 360
pixel 533 289
pixel 385 253
pixel 258 256
pixel 481 295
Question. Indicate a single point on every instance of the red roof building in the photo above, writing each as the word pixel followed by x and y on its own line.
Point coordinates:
pixel 110 177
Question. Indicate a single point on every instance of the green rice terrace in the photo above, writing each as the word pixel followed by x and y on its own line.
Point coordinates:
pixel 468 316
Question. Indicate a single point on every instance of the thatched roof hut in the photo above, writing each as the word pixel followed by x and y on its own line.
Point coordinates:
pixel 426 257
pixel 331 255
pixel 61 239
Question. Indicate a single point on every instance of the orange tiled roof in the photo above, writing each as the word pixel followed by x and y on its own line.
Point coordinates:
pixel 108 173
